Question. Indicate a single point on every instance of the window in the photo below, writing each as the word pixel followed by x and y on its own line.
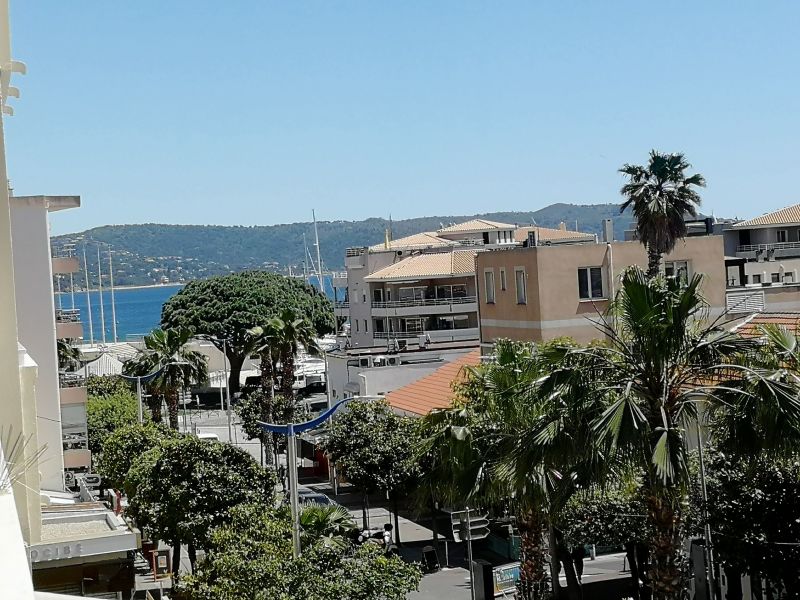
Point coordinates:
pixel 503 279
pixel 519 280
pixel 590 283
pixel 356 325
pixel 788 277
pixel 678 269
pixel 366 329
pixel 411 293
pixel 364 297
pixel 775 277
pixel 488 278
pixel 377 295
pixel 783 235
pixel 447 292
pixel 756 278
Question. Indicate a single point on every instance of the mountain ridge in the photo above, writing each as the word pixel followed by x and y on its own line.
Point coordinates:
pixel 150 253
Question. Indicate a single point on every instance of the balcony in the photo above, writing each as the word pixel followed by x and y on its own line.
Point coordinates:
pixel 769 251
pixel 68 323
pixel 436 335
pixel 432 306
pixel 341 308
pixel 72 388
pixel 64 261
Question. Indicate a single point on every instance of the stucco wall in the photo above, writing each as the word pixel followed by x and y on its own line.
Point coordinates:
pixel 554 309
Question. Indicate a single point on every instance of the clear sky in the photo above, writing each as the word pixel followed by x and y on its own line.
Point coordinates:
pixel 254 112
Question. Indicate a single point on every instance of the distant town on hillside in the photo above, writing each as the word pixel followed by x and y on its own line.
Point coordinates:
pixel 153 253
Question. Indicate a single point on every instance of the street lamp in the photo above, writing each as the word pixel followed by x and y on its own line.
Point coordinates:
pixel 146 378
pixel 290 431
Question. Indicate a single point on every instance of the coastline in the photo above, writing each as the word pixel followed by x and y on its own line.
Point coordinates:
pixel 127 287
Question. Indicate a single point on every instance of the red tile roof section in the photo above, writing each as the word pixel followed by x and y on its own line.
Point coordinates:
pixel 434 390
pixel 751 327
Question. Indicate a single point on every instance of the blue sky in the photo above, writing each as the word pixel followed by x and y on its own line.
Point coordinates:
pixel 250 112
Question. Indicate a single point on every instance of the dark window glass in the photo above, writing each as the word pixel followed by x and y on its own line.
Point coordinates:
pixel 583 284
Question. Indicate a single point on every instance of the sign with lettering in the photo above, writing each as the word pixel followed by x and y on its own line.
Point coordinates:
pixel 45 552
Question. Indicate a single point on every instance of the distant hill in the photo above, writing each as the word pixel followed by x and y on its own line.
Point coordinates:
pixel 152 253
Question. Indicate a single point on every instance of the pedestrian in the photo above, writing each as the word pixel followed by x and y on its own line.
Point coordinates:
pixel 578 554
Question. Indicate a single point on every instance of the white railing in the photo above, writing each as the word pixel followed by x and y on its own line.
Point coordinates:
pixel 763 247
pixel 341 304
pixel 354 252
pixel 430 302
pixel 396 335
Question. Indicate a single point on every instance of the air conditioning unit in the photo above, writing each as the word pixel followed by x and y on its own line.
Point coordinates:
pixel 393 360
pixel 364 362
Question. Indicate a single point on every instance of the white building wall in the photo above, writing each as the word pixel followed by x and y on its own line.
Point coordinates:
pixel 37 327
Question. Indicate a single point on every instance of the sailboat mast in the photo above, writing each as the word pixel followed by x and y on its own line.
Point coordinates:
pixel 305 258
pixel 113 303
pixel 88 297
pixel 319 261
pixel 100 290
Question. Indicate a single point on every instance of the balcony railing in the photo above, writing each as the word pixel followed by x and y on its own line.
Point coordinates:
pixel 766 247
pixel 428 302
pixel 62 252
pixel 341 304
pixel 68 315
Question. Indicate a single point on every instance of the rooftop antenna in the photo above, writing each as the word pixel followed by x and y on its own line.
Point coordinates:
pixel 319 260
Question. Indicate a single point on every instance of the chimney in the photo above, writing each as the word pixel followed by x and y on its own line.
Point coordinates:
pixel 562 226
pixel 709 225
pixel 608 230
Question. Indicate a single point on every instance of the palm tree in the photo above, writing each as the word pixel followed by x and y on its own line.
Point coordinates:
pixel 509 441
pixel 69 357
pixel 290 331
pixel 329 523
pixel 660 362
pixel 264 341
pixel 661 195
pixel 178 367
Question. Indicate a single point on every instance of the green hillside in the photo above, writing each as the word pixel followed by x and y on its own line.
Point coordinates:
pixel 144 254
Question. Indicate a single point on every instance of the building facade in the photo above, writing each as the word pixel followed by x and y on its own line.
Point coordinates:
pixel 539 293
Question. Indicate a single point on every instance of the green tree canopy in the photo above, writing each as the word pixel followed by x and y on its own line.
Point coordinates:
pixel 106 414
pixel 228 306
pixel 373 446
pixel 186 486
pixel 124 446
pixel 250 558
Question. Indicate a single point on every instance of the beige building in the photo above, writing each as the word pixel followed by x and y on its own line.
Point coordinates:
pixel 421 289
pixel 542 292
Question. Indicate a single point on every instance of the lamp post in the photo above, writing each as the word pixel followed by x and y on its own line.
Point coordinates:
pixel 146 378
pixel 290 431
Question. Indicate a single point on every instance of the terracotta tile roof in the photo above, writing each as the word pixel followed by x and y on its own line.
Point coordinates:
pixel 751 326
pixel 474 226
pixel 546 234
pixel 436 264
pixel 426 239
pixel 785 216
pixel 434 390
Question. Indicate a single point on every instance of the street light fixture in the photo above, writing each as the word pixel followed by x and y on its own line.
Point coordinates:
pixel 291 430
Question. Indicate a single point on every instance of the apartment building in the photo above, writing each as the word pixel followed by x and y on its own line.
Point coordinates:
pixel 541 292
pixel 762 261
pixel 421 289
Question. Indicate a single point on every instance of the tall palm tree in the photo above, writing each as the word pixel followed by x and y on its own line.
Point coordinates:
pixel 264 341
pixel 178 368
pixel 661 195
pixel 290 331
pixel 508 441
pixel 661 360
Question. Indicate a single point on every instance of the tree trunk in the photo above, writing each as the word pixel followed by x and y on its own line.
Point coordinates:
pixel 154 404
pixel 176 560
pixel 193 557
pixel 734 578
pixel 287 373
pixel 574 588
pixel 268 390
pixel 396 520
pixel 172 407
pixel 665 519
pixel 533 574
pixel 653 262
pixel 235 364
